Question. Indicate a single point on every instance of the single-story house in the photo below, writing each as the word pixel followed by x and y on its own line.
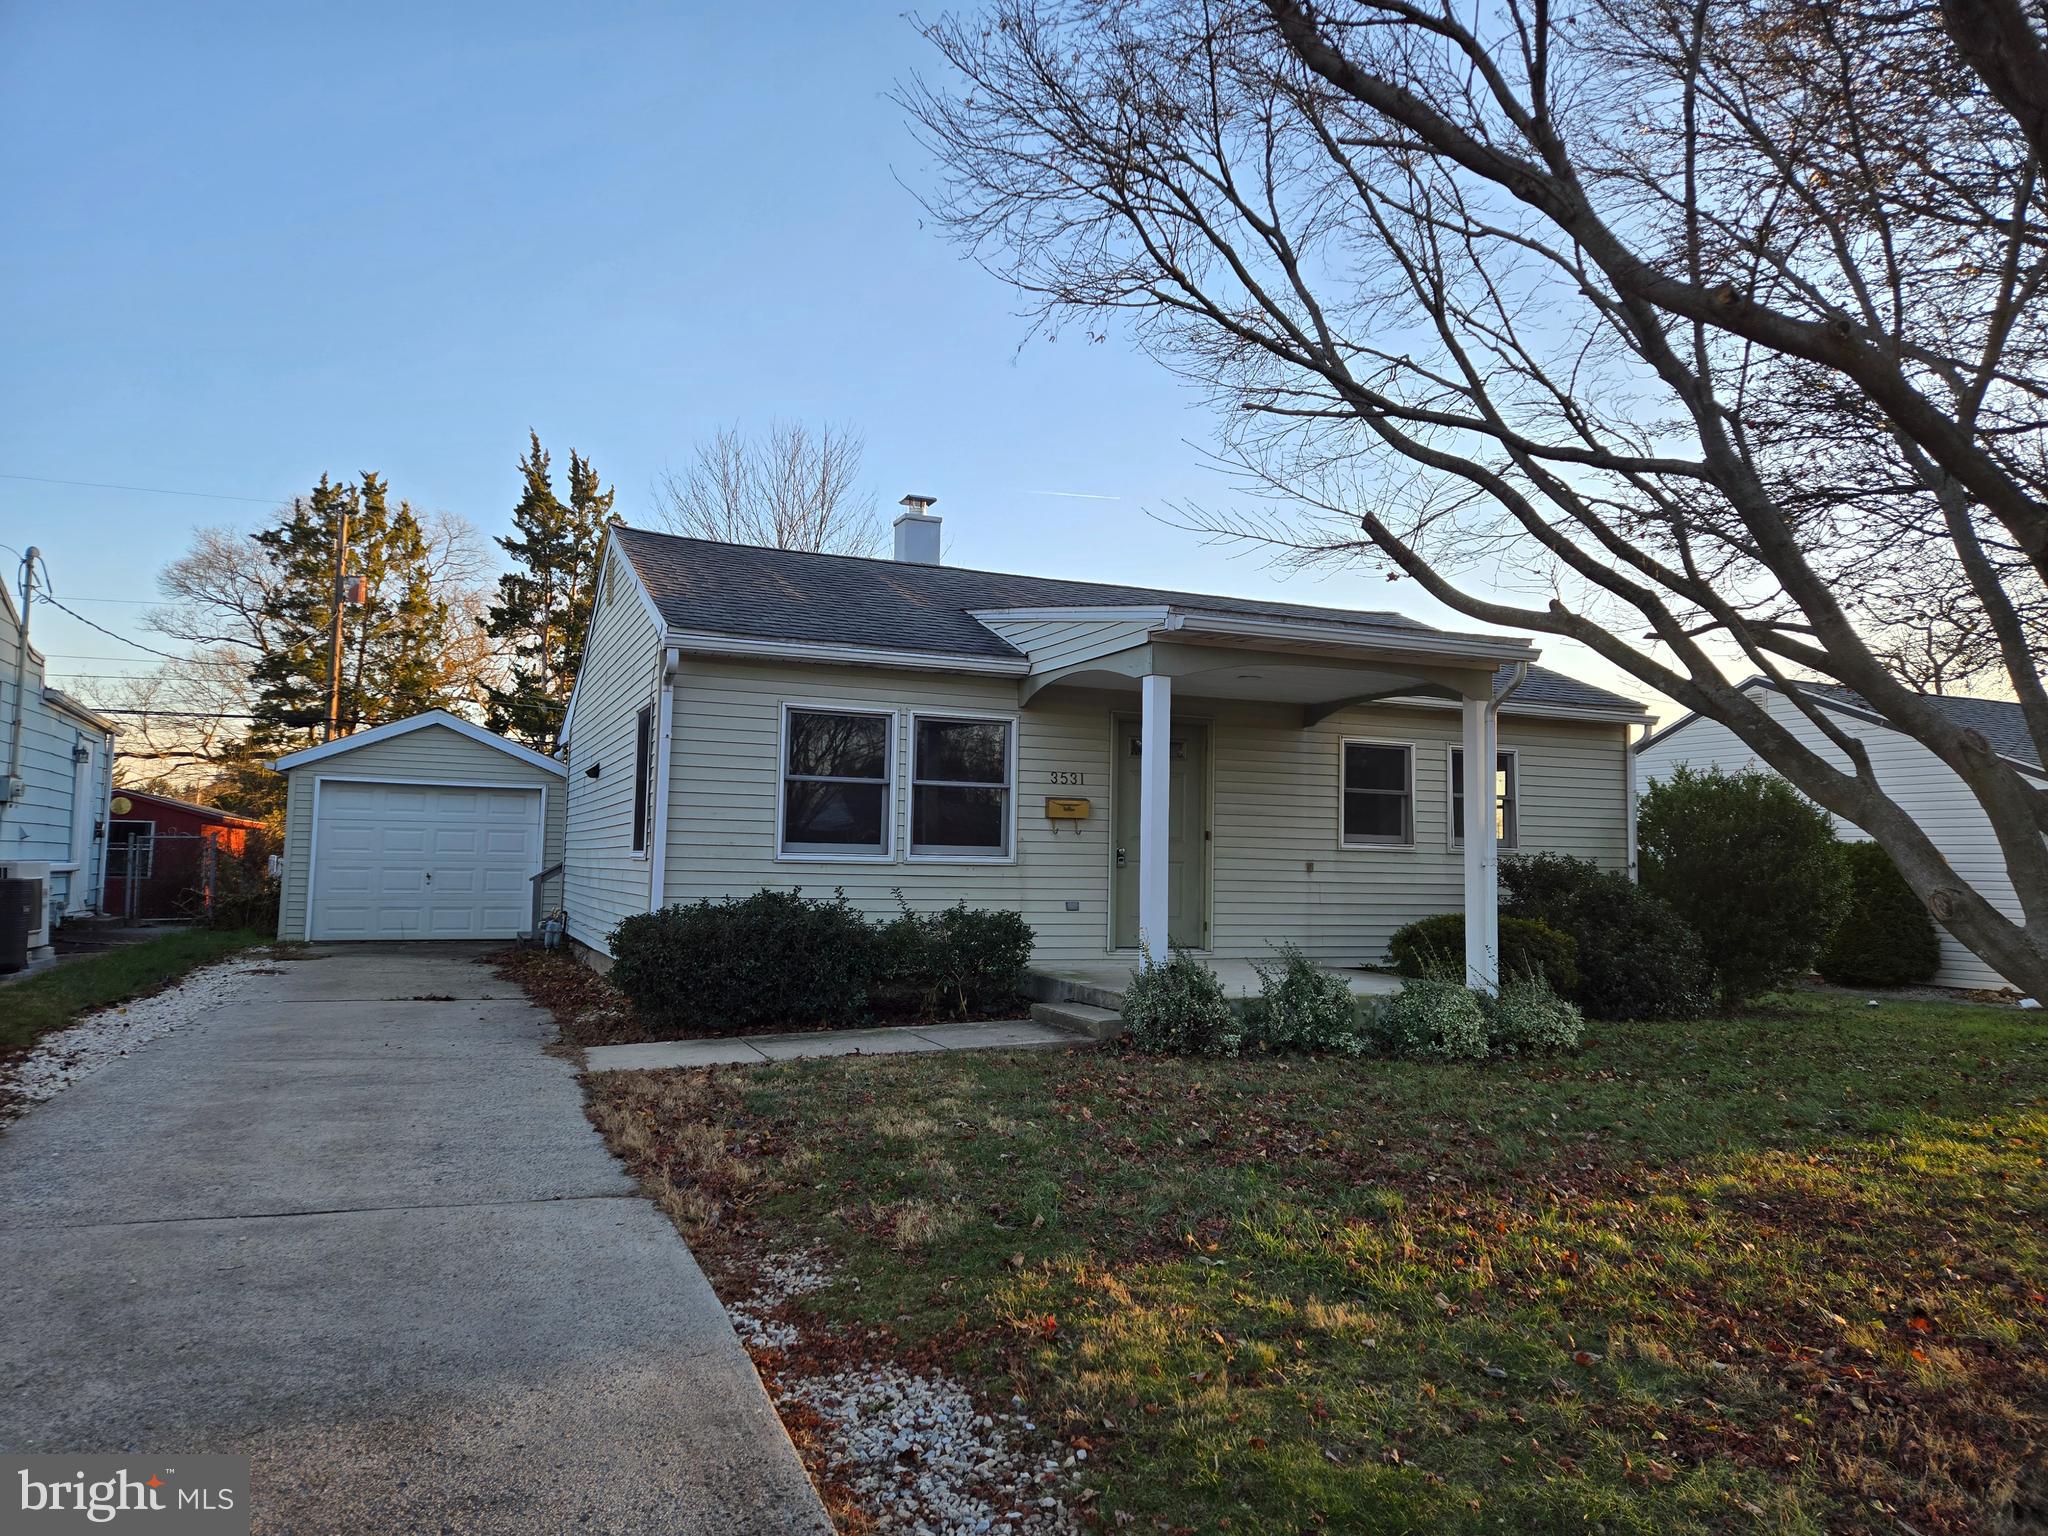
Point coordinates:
pixel 1924 786
pixel 56 775
pixel 426 828
pixel 1121 765
pixel 155 851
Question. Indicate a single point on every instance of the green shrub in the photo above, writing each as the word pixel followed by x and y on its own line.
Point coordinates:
pixel 1885 938
pixel 1179 1009
pixel 1528 1019
pixel 1529 949
pixel 1432 1017
pixel 1636 957
pixel 1750 864
pixel 772 959
pixel 244 892
pixel 959 960
pixel 1302 1007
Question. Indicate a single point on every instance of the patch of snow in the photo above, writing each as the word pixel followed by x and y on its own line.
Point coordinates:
pixel 926 1462
pixel 64 1056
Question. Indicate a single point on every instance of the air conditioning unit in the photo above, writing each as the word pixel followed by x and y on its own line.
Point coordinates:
pixel 37 870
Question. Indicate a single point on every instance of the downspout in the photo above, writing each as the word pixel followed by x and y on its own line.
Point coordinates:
pixel 98 851
pixel 1628 778
pixel 664 749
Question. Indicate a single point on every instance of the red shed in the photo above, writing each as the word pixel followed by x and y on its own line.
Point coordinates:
pixel 157 852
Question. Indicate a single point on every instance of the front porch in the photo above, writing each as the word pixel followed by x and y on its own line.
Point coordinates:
pixel 1178 678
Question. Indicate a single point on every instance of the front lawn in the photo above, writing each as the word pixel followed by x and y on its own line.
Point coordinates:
pixel 31 1008
pixel 1781 1273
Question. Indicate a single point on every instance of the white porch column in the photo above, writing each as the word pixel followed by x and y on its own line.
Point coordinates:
pixel 1155 788
pixel 1482 851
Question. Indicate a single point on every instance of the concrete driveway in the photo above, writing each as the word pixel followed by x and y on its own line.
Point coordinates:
pixel 356 1226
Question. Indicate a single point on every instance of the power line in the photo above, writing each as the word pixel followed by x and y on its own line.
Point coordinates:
pixel 110 634
pixel 149 490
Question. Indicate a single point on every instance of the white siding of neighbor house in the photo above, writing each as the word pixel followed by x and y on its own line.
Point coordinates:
pixel 1924 787
pixel 621 671
pixel 433 754
pixel 1276 871
pixel 45 811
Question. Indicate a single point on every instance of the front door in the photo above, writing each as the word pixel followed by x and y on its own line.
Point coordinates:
pixel 1187 852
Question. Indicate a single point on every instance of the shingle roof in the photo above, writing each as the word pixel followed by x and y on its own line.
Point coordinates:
pixel 780 594
pixel 1999 721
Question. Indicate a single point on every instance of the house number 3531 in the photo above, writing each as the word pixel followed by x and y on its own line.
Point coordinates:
pixel 1067 776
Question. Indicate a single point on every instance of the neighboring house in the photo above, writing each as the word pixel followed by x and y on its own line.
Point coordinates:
pixel 750 718
pixel 1924 786
pixel 156 852
pixel 427 828
pixel 56 773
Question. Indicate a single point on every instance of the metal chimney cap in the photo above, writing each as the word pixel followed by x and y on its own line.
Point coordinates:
pixel 918 505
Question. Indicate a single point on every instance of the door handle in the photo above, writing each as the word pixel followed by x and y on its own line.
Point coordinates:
pixel 1119 858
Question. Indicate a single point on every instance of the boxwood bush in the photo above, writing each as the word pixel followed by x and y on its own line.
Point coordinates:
pixel 775 958
pixel 1636 957
pixel 782 960
pixel 957 961
pixel 1885 938
pixel 1530 950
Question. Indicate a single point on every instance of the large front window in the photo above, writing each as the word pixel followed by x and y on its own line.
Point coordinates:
pixel 1379 794
pixel 960 788
pixel 1506 799
pixel 836 783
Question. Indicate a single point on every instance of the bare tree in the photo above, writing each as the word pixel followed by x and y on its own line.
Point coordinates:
pixel 794 487
pixel 1718 324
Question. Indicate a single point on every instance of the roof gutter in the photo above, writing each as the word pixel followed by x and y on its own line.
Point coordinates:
pixel 701 643
pixel 1423 645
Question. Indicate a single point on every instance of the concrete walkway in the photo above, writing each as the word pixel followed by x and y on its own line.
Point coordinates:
pixel 355 1226
pixel 1009 1034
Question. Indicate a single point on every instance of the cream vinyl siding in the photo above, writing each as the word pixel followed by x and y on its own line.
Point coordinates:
pixel 1924 787
pixel 1277 872
pixel 39 826
pixel 433 754
pixel 606 880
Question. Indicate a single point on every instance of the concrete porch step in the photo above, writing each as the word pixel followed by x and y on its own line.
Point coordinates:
pixel 1082 1018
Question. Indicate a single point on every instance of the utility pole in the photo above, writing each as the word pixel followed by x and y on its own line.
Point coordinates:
pixel 334 650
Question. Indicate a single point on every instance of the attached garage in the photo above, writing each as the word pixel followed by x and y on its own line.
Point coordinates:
pixel 427 828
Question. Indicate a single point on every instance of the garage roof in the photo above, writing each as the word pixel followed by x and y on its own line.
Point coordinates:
pixel 439 717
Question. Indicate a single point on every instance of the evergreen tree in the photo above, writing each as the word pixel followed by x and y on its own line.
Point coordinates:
pixel 543 607
pixel 388 639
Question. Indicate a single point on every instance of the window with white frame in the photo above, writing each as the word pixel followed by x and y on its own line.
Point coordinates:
pixel 838 781
pixel 1507 792
pixel 1379 794
pixel 643 775
pixel 961 787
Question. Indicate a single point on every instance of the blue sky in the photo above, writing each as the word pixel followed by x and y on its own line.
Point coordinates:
pixel 249 244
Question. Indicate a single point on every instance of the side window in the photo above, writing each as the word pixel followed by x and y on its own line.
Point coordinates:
pixel 1379 795
pixel 838 783
pixel 643 775
pixel 1507 794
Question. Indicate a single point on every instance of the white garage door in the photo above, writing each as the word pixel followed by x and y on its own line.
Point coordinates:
pixel 423 861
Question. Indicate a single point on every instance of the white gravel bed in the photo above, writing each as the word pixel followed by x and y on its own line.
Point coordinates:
pixel 64 1056
pixel 926 1462
pixel 920 1456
